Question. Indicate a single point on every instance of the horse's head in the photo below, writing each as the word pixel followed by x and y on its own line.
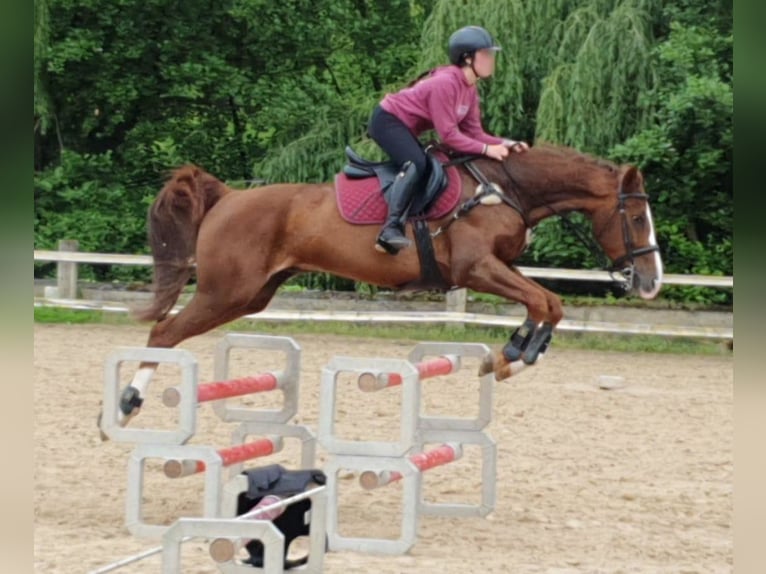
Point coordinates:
pixel 625 230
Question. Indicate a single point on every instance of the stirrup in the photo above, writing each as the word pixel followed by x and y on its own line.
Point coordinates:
pixel 385 247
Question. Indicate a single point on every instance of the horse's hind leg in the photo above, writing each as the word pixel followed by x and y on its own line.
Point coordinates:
pixel 204 312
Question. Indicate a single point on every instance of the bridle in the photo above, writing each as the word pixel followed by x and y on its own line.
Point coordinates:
pixel 631 252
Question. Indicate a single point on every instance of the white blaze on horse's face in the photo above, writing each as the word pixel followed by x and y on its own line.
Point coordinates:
pixel 652 292
pixel 625 230
pixel 644 262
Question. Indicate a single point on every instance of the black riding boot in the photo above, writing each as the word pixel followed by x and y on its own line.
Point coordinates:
pixel 391 238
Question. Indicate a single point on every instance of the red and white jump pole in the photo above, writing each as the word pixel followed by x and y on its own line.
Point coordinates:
pixel 444 454
pixel 217 390
pixel 429 368
pixel 178 468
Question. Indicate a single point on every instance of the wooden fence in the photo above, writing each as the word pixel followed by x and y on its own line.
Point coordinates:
pixel 68 258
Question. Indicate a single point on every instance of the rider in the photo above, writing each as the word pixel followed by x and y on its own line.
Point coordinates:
pixel 446 100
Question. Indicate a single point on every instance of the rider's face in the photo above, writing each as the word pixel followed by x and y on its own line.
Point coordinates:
pixel 484 63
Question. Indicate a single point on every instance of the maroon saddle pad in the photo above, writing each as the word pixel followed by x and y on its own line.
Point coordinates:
pixel 361 202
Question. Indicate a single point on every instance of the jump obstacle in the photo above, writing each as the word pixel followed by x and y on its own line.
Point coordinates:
pixel 186 529
pixel 380 463
pixel 384 462
pixel 182 459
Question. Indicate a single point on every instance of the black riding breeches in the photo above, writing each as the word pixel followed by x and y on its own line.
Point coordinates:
pixel 397 140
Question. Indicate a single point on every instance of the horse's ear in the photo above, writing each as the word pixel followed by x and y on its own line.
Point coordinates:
pixel 195 173
pixel 631 180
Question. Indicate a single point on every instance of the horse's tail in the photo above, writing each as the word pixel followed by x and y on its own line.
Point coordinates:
pixel 173 223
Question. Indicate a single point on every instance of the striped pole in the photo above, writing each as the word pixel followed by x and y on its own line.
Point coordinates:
pixel 444 365
pixel 175 468
pixel 439 456
pixel 215 391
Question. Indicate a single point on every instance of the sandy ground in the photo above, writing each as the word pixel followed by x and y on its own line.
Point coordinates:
pixel 637 479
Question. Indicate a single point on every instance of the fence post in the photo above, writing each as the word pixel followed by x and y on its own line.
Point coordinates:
pixel 456 299
pixel 66 273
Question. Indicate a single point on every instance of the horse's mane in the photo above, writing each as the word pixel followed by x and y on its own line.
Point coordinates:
pixel 546 165
pixel 547 153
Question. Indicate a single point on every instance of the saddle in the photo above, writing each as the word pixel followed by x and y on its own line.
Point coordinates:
pixel 385 171
pixel 362 189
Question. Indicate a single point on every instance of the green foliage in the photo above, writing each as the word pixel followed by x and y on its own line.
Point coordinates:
pixel 41 40
pixel 592 94
pixel 555 245
pixel 81 198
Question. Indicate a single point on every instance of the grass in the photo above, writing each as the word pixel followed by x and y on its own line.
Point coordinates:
pixel 417 332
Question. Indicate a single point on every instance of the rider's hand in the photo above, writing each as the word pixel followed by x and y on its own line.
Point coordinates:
pixel 516 146
pixel 496 151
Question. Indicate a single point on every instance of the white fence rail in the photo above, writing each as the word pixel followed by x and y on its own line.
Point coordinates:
pixel 68 258
pixel 533 272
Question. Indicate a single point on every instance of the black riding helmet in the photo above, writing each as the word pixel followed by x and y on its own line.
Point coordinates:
pixel 466 41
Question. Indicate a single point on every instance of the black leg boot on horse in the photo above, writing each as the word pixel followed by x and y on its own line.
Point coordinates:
pixel 391 238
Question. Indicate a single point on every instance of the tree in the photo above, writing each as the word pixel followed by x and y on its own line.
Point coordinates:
pixel 686 152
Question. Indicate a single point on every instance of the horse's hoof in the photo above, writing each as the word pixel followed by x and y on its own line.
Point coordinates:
pixel 490 365
pixel 503 373
pixel 487 365
pixel 103 435
pixel 130 402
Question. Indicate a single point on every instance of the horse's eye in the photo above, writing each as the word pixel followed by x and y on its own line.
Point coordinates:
pixel 638 219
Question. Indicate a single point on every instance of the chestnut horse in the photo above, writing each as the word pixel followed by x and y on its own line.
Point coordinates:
pixel 246 243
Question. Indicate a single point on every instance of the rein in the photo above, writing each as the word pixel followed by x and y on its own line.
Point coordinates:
pixel 627 239
pixel 487 189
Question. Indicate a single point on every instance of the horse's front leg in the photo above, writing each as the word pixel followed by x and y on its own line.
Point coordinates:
pixel 530 340
pixel 491 275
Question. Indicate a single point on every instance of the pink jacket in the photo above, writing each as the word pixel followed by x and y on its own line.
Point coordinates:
pixel 446 102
